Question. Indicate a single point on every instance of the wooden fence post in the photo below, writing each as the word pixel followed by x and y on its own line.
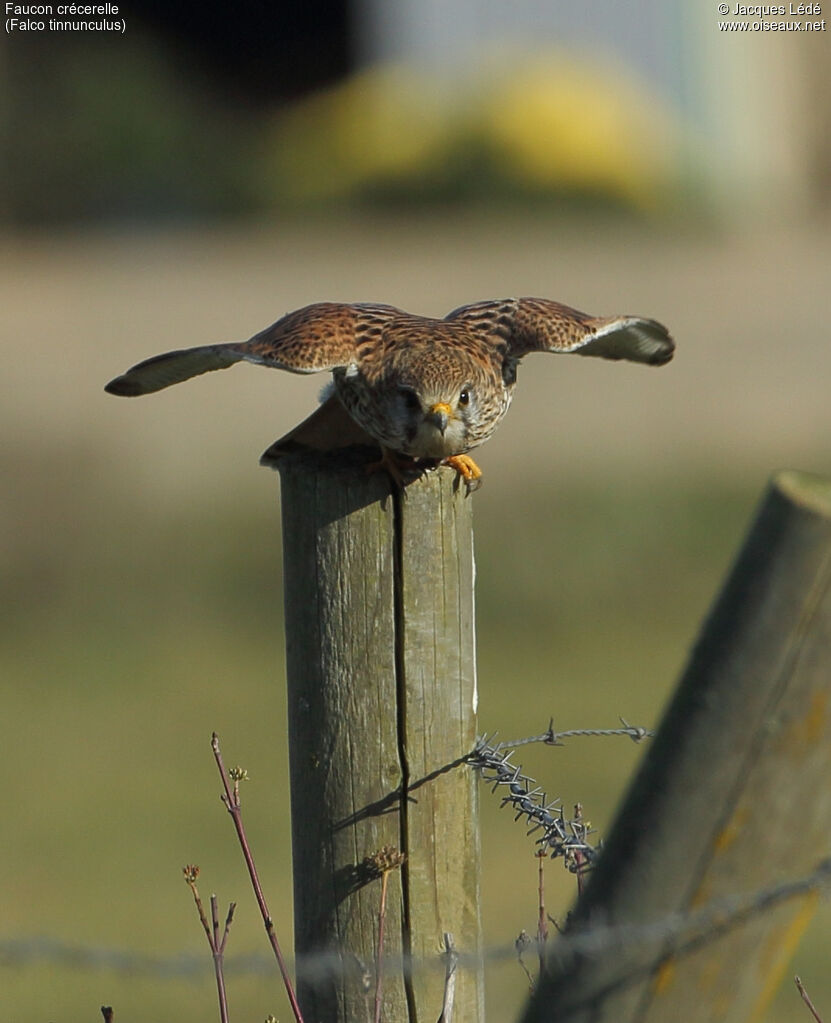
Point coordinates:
pixel 382 710
pixel 733 798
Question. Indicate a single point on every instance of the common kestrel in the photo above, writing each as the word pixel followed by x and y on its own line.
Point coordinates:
pixel 424 390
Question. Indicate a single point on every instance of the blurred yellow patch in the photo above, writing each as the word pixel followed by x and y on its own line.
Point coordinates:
pixel 573 126
pixel 544 124
pixel 380 124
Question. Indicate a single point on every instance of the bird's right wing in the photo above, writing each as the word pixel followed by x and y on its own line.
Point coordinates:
pixel 323 336
pixel 541 325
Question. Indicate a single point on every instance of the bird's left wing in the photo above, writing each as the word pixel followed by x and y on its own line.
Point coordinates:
pixel 317 337
pixel 541 325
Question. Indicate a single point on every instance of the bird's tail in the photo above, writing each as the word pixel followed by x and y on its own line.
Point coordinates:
pixel 174 367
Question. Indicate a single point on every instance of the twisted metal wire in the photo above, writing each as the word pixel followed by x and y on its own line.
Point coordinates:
pixel 561 836
pixel 688 928
pixel 551 738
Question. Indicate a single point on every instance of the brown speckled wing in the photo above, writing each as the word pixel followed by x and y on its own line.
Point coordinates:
pixel 317 337
pixel 541 325
pixel 492 319
pixel 545 326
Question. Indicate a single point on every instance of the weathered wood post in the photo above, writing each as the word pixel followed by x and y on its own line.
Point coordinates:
pixel 733 797
pixel 382 710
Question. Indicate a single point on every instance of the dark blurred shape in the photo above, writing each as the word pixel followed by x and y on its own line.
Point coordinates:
pixel 162 122
pixel 104 128
pixel 257 52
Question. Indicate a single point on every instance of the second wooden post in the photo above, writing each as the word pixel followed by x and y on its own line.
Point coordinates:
pixel 382 711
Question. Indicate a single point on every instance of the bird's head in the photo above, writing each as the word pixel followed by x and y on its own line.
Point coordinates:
pixel 435 421
pixel 432 397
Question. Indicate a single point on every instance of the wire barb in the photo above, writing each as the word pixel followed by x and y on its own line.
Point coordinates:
pixel 561 837
pixel 550 737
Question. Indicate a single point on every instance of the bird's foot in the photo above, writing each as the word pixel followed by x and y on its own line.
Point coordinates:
pixel 403 470
pixel 400 469
pixel 467 469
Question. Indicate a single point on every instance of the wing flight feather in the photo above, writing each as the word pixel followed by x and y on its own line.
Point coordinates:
pixel 317 337
pixel 541 325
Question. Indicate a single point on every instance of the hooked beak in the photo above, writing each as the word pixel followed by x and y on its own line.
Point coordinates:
pixel 439 415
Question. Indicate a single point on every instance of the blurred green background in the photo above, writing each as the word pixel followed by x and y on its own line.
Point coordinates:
pixel 199 175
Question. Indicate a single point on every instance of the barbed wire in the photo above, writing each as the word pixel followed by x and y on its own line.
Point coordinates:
pixel 684 928
pixel 27 952
pixel 689 929
pixel 550 737
pixel 562 836
pixel 565 837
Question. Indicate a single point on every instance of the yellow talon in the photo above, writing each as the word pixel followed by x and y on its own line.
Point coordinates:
pixel 467 469
pixel 402 470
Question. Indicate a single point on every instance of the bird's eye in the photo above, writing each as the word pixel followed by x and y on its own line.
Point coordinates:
pixel 464 397
pixel 410 398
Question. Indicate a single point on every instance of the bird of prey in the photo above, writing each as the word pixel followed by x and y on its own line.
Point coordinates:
pixel 426 391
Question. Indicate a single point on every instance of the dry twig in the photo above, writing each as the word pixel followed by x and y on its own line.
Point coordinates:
pixel 216 943
pixel 231 799
pixel 520 945
pixel 382 863
pixel 542 921
pixel 800 987
pixel 451 960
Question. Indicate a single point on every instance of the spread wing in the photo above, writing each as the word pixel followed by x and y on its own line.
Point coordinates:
pixel 540 325
pixel 317 337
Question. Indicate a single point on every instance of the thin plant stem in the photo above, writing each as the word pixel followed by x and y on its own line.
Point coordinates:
pixel 520 945
pixel 220 986
pixel 580 830
pixel 216 943
pixel 215 921
pixel 451 959
pixel 232 803
pixel 800 987
pixel 542 922
pixel 580 860
pixel 218 949
pixel 379 965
